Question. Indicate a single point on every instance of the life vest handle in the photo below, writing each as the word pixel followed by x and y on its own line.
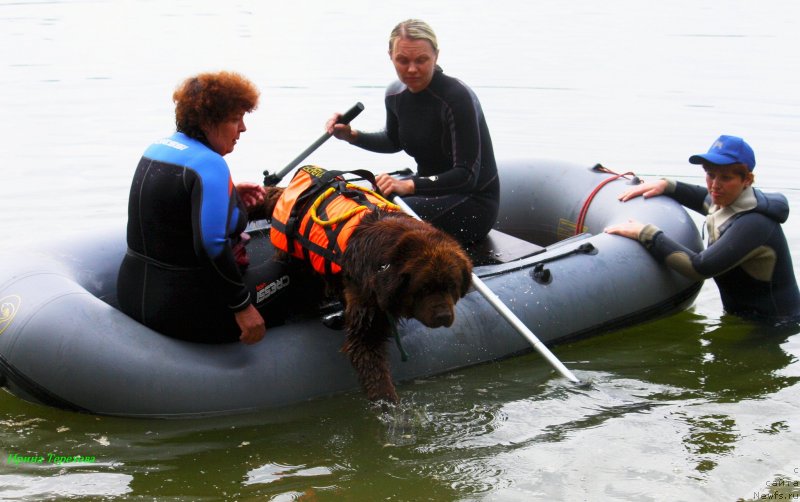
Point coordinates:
pixel 347 214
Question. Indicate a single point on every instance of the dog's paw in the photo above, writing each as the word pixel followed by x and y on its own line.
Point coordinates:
pixel 383 392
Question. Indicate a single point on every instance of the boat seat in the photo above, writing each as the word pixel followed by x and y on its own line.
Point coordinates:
pixel 498 247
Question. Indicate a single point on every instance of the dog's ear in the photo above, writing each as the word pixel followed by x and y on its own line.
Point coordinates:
pixel 466 279
pixel 394 278
pixel 393 286
pixel 462 262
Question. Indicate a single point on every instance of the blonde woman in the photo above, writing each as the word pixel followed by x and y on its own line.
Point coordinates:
pixel 437 120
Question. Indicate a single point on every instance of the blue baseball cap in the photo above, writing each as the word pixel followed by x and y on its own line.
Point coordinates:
pixel 727 150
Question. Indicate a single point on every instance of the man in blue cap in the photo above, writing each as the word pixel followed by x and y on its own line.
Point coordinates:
pixel 747 253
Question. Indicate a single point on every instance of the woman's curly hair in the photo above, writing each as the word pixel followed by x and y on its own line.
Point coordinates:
pixel 212 98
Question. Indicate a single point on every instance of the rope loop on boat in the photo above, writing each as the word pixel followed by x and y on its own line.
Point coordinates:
pixel 588 202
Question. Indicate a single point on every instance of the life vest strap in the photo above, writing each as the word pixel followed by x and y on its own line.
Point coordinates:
pixel 366 204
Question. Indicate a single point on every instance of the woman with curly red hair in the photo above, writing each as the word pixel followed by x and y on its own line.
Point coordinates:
pixel 184 274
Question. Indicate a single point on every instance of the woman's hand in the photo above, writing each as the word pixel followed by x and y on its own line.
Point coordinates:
pixel 389 185
pixel 251 194
pixel 646 190
pixel 631 229
pixel 340 131
pixel 252 325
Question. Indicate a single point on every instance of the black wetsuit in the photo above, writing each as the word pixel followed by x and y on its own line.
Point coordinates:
pixel 180 276
pixel 443 128
pixel 747 253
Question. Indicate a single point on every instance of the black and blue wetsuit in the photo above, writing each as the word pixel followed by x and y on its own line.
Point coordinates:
pixel 180 276
pixel 747 254
pixel 443 128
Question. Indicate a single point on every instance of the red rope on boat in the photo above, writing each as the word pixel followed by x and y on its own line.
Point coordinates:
pixel 588 201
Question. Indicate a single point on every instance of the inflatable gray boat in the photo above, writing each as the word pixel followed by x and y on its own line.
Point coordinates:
pixel 63 342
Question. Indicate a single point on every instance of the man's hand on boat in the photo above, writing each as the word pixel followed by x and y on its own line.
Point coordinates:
pixel 631 229
pixel 646 190
pixel 252 325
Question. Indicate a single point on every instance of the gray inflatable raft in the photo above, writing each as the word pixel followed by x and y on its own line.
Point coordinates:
pixel 63 342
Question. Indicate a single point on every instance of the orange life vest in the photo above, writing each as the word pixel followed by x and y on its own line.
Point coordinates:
pixel 317 213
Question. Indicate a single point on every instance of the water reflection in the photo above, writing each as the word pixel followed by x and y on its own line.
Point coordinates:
pixel 64 485
pixel 270 473
pixel 725 361
pixel 681 386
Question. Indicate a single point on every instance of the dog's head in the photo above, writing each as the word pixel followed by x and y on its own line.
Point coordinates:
pixel 426 274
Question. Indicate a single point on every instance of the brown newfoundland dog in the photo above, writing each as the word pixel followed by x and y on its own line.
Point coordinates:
pixel 391 267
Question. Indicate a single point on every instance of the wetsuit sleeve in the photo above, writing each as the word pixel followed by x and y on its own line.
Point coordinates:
pixel 384 141
pixel 461 116
pixel 377 142
pixel 213 203
pixel 744 238
pixel 693 197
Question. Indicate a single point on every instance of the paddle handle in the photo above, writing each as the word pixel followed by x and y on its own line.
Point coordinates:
pixel 351 113
pixel 274 179
pixel 506 312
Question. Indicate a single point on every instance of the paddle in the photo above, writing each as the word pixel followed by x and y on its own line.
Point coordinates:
pixel 274 179
pixel 504 311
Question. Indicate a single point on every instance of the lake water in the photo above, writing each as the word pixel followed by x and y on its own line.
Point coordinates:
pixel 697 406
